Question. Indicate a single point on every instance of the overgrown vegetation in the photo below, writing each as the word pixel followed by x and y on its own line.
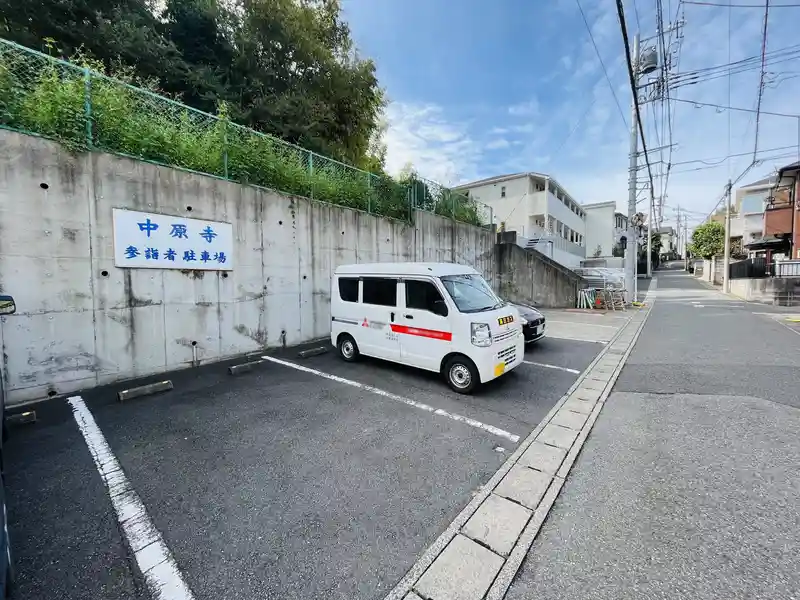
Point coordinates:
pixel 284 68
pixel 85 109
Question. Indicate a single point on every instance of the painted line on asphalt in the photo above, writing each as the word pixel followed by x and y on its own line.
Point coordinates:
pixel 546 366
pixel 406 583
pixel 582 324
pixel 574 339
pixel 422 406
pixel 161 574
pixel 509 570
pixel 789 327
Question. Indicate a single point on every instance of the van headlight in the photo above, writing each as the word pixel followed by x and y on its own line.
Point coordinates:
pixel 481 335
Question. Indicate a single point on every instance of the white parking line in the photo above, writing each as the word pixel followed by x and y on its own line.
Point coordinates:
pixel 436 411
pixel 546 366
pixel 161 573
pixel 586 324
pixel 574 339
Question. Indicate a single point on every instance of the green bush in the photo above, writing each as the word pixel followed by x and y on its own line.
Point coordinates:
pixel 84 110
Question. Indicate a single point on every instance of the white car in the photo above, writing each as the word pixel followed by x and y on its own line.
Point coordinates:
pixel 439 317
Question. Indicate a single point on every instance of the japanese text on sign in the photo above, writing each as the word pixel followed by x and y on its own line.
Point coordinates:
pixel 153 241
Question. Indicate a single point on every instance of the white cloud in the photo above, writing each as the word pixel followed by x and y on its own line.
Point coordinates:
pixel 498 144
pixel 524 109
pixel 438 149
pixel 576 134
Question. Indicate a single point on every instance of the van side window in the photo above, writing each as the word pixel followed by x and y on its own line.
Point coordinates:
pixel 380 291
pixel 423 295
pixel 348 289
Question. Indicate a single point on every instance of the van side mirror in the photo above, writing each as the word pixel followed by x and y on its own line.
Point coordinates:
pixel 439 308
pixel 7 305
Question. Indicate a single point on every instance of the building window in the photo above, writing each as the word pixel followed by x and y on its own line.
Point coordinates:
pixel 503 191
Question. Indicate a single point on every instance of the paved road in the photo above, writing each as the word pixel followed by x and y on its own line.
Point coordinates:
pixel 688 484
pixel 279 483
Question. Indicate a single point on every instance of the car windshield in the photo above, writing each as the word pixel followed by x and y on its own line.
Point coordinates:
pixel 471 293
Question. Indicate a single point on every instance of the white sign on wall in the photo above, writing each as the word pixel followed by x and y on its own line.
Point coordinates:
pixel 152 241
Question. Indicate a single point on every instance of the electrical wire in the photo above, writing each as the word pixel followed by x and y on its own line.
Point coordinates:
pixel 747 110
pixel 632 79
pixel 751 63
pixel 602 64
pixel 739 5
pixel 761 79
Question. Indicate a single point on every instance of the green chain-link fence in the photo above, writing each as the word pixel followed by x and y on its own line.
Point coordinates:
pixel 86 110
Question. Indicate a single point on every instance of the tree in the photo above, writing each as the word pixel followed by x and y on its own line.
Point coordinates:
pixel 285 67
pixel 598 252
pixel 655 242
pixel 708 240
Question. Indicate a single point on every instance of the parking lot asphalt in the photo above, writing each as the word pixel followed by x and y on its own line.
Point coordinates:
pixel 277 483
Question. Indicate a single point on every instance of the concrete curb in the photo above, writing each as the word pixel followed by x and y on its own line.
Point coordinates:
pixel 145 390
pixel 244 367
pixel 439 575
pixel 26 418
pixel 316 351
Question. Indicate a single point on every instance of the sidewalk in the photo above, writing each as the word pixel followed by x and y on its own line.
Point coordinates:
pixel 688 484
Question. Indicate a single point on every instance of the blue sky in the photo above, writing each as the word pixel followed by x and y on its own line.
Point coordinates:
pixel 484 88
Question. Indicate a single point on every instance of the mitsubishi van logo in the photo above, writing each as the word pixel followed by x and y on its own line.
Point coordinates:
pixel 365 323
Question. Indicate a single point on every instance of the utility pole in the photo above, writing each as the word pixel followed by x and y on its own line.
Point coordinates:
pixel 632 246
pixel 726 263
pixel 650 238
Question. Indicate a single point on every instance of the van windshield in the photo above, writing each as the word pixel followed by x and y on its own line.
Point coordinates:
pixel 471 293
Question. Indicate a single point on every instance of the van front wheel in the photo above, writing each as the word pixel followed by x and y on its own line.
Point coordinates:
pixel 461 374
pixel 348 349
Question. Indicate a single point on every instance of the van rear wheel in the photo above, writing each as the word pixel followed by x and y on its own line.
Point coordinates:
pixel 461 374
pixel 348 349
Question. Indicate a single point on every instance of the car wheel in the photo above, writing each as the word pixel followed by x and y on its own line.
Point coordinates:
pixel 348 349
pixel 461 374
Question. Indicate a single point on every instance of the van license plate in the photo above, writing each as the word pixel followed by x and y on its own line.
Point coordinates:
pixel 505 320
pixel 499 369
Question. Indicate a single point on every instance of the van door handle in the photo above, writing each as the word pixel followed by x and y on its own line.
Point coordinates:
pixel 391 316
pixel 409 316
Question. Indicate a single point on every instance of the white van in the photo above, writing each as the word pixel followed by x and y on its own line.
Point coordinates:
pixel 440 317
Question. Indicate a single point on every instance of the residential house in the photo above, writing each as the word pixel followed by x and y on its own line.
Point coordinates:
pixel 538 208
pixel 747 212
pixel 782 216
pixel 669 245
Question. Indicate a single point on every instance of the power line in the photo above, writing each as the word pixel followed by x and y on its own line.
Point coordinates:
pixel 624 29
pixel 602 64
pixel 636 12
pixel 747 110
pixel 722 159
pixel 750 63
pixel 739 5
pixel 761 79
pixel 758 161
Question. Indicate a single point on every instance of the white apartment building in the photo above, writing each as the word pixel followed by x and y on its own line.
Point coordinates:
pixel 538 208
pixel 604 229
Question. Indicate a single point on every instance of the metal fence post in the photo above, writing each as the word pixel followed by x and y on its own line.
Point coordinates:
pixel 225 148
pixel 311 172
pixel 369 193
pixel 87 104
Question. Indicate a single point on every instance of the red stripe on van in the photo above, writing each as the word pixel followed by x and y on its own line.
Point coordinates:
pixel 428 333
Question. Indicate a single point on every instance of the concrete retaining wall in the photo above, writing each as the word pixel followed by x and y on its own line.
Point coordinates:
pixel 82 322
pixel 768 290
pixel 530 277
